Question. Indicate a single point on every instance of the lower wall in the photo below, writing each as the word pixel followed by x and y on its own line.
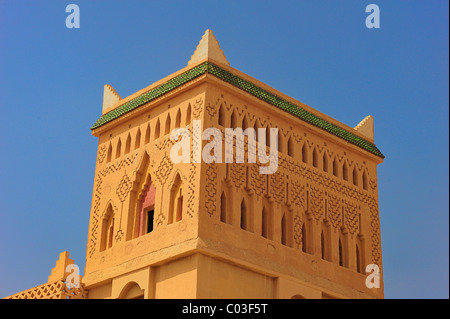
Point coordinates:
pixel 219 279
pixel 204 277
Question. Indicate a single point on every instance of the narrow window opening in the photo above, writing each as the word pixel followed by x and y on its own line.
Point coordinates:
pixel 283 230
pixel 360 265
pixel 157 129
pixel 128 144
pixel 111 233
pixel 188 115
pixel 147 134
pixel 107 230
pixel 345 171
pixel 233 121
pixel 343 249
pixel 355 176
pixel 244 123
pixel 150 219
pixel 118 148
pixel 144 217
pixel 291 147
pixel 325 162
pixel 223 208
pixel 167 126
pixel 137 141
pixel 280 143
pixel 304 238
pixel 264 223
pixel 364 180
pixel 109 153
pixel 176 201
pixel 315 158
pixel 221 115
pixel 178 119
pixel 322 245
pixel 255 127
pixel 243 215
pixel 304 153
pixel 358 259
pixel 335 167
pixel 179 209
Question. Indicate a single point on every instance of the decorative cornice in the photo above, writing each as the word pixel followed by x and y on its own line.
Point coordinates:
pixel 254 90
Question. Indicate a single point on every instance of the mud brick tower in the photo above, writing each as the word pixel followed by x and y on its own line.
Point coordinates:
pixel 160 229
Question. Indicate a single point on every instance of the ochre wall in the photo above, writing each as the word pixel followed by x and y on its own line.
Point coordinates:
pixel 200 252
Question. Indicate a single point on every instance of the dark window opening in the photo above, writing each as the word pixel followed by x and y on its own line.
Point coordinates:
pixel 179 215
pixel 150 218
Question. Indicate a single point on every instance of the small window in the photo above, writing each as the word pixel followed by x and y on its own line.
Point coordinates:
pixel 157 129
pixel 118 148
pixel 143 221
pixel 360 265
pixel 355 176
pixel 264 224
pixel 107 229
pixel 335 167
pixel 221 115
pixel 111 234
pixel 188 115
pixel 315 158
pixel 128 144
pixel 244 123
pixel 150 219
pixel 325 162
pixel 345 171
pixel 291 147
pixel 147 134
pixel 304 238
pixel 167 127
pixel 255 127
pixel 280 145
pixel 233 120
pixel 179 209
pixel 243 215
pixel 305 153
pixel 109 154
pixel 178 119
pixel 223 208
pixel 176 201
pixel 283 230
pixel 364 180
pixel 322 245
pixel 343 249
pixel 358 259
pixel 137 140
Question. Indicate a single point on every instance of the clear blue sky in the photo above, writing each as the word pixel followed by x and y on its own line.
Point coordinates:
pixel 319 52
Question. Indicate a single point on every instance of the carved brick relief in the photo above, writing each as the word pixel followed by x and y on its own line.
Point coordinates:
pixel 197 108
pixel 334 211
pixel 211 189
pixel 98 189
pixel 298 225
pixel 351 217
pixel 165 167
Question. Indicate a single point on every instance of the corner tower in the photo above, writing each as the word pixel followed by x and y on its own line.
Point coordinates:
pixel 160 229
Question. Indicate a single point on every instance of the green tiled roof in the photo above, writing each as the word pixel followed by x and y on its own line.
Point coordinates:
pixel 208 67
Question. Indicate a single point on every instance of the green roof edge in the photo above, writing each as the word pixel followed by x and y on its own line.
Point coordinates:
pixel 208 67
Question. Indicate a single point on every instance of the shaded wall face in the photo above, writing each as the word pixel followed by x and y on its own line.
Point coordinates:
pixel 317 214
